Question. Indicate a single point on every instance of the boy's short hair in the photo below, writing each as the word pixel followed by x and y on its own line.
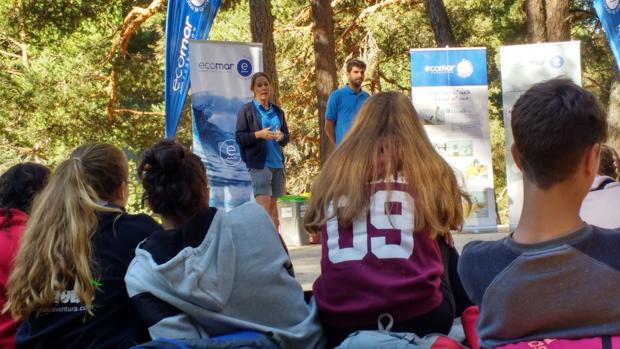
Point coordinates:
pixel 553 123
pixel 355 63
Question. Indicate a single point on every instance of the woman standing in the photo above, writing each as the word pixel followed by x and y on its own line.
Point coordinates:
pixel 18 187
pixel 261 134
pixel 67 282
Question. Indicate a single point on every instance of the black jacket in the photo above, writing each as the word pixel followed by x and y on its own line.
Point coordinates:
pixel 253 150
pixel 116 323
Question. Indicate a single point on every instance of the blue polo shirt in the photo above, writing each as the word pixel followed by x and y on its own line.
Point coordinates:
pixel 269 118
pixel 342 107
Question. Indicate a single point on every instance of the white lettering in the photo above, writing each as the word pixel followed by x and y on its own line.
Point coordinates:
pixel 380 218
pixel 439 69
pixel 179 80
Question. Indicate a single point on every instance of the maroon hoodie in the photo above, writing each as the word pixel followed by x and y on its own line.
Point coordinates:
pixel 378 265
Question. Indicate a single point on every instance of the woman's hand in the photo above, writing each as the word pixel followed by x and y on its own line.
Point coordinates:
pixel 279 136
pixel 265 134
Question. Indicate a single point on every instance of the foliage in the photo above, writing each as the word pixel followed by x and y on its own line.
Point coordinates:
pixel 59 98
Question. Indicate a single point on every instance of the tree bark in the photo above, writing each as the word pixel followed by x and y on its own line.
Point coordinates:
pixel 614 113
pixel 131 23
pixel 536 21
pixel 261 25
pixel 22 33
pixel 558 23
pixel 325 64
pixel 437 15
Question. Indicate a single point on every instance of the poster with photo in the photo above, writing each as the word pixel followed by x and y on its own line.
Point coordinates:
pixel 220 77
pixel 449 92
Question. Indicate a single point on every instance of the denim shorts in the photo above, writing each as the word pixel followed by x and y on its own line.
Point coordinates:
pixel 268 181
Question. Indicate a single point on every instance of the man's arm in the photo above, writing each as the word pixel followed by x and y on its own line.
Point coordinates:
pixel 331 113
pixel 329 131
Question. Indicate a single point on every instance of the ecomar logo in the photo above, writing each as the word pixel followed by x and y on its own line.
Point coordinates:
pixel 182 63
pixel 215 66
pixel 612 6
pixel 439 69
pixel 244 67
pixel 465 68
pixel 556 61
pixel 197 5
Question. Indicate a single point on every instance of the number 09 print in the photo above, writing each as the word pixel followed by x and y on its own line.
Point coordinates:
pixel 387 229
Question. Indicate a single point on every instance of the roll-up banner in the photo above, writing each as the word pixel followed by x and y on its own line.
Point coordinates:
pixel 186 20
pixel 220 76
pixel 608 12
pixel 521 67
pixel 449 92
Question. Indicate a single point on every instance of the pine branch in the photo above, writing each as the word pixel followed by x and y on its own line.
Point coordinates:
pixel 367 11
pixel 131 23
pixel 10 54
pixel 392 81
pixel 138 112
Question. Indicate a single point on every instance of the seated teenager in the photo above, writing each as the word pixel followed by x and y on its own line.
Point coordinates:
pixel 67 281
pixel 601 205
pixel 380 203
pixel 212 272
pixel 18 187
pixel 555 276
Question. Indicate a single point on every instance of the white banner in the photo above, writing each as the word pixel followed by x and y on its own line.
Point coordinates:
pixel 521 67
pixel 449 92
pixel 220 75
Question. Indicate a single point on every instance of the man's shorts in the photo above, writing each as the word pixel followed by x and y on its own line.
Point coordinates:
pixel 268 181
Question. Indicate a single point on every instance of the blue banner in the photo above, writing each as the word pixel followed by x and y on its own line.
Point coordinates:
pixel 187 20
pixel 608 12
pixel 448 67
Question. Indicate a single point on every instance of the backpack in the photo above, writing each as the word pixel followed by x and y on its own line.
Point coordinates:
pixel 236 340
pixel 385 339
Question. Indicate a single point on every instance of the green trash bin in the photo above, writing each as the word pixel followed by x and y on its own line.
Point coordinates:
pixel 291 210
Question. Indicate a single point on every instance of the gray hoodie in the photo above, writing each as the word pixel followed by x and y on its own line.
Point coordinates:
pixel 235 279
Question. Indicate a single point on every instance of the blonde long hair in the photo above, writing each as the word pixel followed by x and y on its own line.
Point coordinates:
pixel 385 141
pixel 55 251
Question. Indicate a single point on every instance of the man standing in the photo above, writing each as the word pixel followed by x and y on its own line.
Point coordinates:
pixel 344 103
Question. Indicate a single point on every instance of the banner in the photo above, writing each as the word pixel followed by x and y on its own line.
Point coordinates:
pixel 449 92
pixel 220 76
pixel 521 67
pixel 187 20
pixel 608 12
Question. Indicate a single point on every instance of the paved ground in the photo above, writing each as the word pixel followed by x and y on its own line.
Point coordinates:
pixel 306 258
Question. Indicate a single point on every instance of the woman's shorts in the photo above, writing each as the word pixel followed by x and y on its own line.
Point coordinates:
pixel 268 181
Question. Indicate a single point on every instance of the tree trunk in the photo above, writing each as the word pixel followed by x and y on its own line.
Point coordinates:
pixel 614 113
pixel 22 33
pixel 536 21
pixel 261 24
pixel 437 15
pixel 558 24
pixel 325 63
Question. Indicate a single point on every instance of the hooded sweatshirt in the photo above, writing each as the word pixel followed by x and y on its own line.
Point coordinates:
pixel 12 226
pixel 229 273
pixel 116 323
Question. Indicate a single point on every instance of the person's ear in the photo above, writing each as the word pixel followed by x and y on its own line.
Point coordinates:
pixel 516 156
pixel 591 159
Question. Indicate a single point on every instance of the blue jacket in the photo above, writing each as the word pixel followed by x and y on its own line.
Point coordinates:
pixel 253 150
